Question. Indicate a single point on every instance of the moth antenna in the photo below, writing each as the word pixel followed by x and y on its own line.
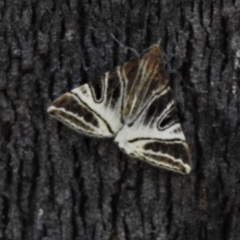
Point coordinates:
pixel 125 47
pixel 186 86
pixel 195 89
pixel 160 49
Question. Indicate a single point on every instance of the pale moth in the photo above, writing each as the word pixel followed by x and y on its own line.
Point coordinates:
pixel 133 104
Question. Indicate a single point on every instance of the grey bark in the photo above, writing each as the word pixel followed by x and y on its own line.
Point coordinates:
pixel 57 184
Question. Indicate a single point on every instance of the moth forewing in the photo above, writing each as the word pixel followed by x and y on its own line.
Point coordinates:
pixel 77 117
pixel 91 109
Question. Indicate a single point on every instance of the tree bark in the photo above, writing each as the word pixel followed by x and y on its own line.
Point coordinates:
pixel 58 184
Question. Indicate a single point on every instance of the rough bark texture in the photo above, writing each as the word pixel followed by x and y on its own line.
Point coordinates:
pixel 57 184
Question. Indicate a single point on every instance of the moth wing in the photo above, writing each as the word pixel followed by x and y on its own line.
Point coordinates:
pixel 94 108
pixel 156 135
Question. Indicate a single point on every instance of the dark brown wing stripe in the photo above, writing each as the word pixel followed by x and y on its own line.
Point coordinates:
pixel 90 109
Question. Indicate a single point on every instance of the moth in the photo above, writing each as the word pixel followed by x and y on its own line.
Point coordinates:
pixel 133 104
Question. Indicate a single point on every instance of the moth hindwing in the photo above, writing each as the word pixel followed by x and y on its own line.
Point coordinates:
pixel 132 103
